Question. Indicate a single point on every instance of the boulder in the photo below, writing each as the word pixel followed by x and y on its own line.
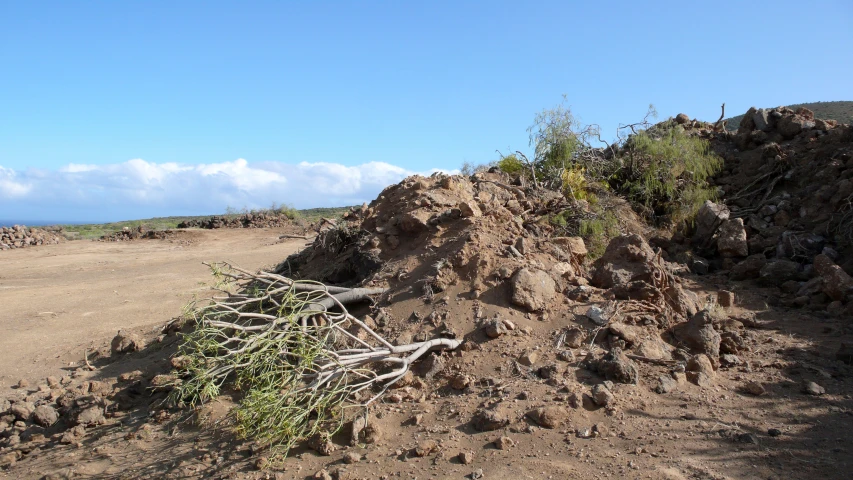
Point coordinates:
pixel 731 238
pixel 777 272
pixel 627 258
pixel 836 283
pixel 709 218
pixel 749 268
pixel 763 121
pixel 532 289
pixel 601 395
pixel 682 118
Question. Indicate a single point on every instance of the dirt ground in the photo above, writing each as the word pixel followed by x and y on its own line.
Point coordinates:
pixel 59 300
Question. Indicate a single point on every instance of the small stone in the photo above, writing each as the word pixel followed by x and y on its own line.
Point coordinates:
pixel 477 474
pixel 262 463
pixel 22 411
pixel 665 384
pixel 754 388
pixel 352 457
pixel 528 358
pixel 566 356
pixel 494 328
pixel 126 343
pixel 466 458
pixel 53 382
pixel 504 443
pixel 322 475
pixel 596 315
pixel 774 432
pixel 23 383
pixel 812 388
pixel 730 360
pixel 602 396
pixel 460 381
pixel 425 448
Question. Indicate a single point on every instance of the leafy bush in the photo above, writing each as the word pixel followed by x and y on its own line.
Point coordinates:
pixel 665 173
pixel 511 164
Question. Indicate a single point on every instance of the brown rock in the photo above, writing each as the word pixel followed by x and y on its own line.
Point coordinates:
pixel 488 420
pixel 700 363
pixel 466 458
pixel 322 475
pixel 425 448
pixel 45 415
pixel 352 457
pixel 601 395
pixel 548 417
pixel 504 443
pixel 699 336
pixel 22 410
pixel 681 118
pixel 837 284
pixel 617 367
pixel 494 328
pixel 126 343
pixel 754 388
pixel 575 246
pixel 699 378
pixel 533 289
pixel 528 358
pixel 725 298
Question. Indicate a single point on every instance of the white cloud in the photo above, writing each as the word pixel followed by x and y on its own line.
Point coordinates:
pixel 138 188
pixel 9 188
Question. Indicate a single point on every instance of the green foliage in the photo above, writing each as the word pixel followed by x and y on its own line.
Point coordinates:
pixel 597 233
pixel 555 143
pixel 511 164
pixel 271 364
pixel 665 172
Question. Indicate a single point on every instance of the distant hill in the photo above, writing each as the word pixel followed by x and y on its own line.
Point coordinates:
pixel 840 111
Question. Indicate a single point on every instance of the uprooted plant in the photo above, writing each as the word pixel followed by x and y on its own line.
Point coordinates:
pixel 298 357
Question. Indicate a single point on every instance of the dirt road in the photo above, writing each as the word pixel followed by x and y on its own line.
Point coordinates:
pixel 58 300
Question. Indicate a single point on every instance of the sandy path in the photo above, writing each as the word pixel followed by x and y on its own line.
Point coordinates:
pixel 57 300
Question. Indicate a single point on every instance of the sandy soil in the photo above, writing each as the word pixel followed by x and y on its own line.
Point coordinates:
pixel 59 300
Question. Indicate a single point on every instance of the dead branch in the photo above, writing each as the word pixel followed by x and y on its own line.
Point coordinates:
pixel 722 114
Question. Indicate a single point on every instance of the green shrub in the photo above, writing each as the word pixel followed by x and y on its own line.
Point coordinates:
pixel 512 165
pixel 665 172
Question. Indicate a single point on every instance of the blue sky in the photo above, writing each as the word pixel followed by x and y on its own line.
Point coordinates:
pixel 115 110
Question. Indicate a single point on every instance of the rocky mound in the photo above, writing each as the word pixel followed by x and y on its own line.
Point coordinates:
pixel 248 220
pixel 21 236
pixel 785 218
pixel 141 232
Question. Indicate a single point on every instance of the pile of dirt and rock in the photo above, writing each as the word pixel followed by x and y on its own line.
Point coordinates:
pixel 638 362
pixel 141 232
pixel 21 236
pixel 247 220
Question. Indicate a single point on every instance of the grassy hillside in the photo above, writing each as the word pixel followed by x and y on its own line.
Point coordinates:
pixel 97 230
pixel 840 111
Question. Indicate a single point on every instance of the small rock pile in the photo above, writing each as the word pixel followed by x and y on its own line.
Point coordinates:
pixel 21 236
pixel 248 220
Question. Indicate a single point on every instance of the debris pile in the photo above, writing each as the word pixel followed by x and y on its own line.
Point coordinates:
pixel 21 236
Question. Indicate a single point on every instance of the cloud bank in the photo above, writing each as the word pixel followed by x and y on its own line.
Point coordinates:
pixel 138 189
